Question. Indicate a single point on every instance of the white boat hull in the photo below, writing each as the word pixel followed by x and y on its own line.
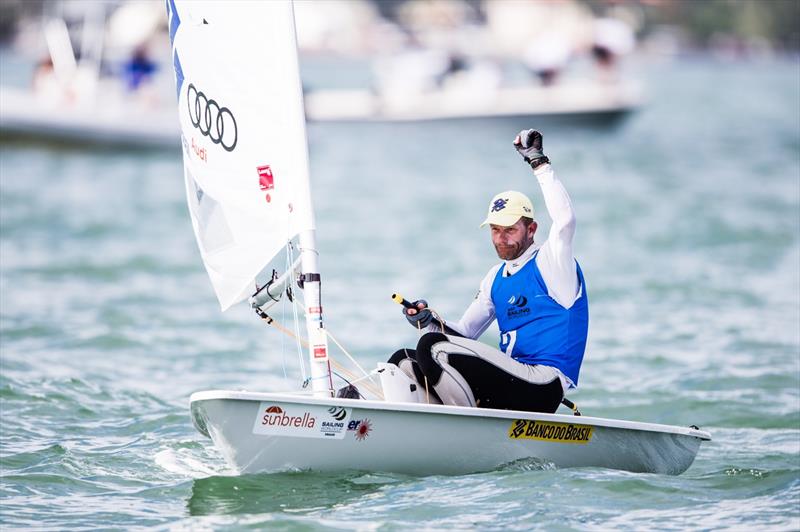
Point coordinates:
pixel 24 115
pixel 265 432
pixel 589 102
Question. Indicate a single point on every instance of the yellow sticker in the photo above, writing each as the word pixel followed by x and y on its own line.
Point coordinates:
pixel 530 429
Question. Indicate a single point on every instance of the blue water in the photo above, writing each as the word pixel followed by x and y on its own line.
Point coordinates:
pixel 688 233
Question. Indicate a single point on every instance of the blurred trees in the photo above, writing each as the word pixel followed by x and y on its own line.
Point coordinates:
pixel 703 22
pixel 777 21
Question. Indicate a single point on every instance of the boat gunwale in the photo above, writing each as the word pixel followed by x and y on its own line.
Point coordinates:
pixel 242 395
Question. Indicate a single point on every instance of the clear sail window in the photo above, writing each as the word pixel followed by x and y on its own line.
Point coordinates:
pixel 214 233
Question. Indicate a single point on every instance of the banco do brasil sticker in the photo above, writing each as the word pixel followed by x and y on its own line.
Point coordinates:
pixel 531 429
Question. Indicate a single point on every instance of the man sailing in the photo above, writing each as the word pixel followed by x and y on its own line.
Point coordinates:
pixel 538 296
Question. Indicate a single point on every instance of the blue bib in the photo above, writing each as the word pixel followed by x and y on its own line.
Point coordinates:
pixel 534 328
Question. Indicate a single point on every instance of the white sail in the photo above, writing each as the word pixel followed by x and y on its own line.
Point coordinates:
pixel 243 132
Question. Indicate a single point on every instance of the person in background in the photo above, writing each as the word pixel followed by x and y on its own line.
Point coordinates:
pixel 547 56
pixel 538 297
pixel 139 69
pixel 612 40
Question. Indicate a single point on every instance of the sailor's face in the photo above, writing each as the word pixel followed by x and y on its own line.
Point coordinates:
pixel 512 241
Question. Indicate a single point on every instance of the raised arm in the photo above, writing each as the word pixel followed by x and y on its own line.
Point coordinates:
pixel 556 258
pixel 562 232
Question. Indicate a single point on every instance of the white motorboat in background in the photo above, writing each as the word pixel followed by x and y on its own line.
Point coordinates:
pixel 547 76
pixel 119 122
pixel 78 94
pixel 92 95
pixel 587 101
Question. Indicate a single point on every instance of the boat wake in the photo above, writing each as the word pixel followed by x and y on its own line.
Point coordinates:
pixel 191 462
pixel 529 464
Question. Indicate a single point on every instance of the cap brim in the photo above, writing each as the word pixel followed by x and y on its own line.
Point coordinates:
pixel 505 220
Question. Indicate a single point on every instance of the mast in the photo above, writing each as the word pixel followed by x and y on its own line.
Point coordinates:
pixel 321 381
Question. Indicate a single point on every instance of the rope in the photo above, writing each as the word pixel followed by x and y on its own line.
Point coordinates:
pixel 353 360
pixel 271 321
pixel 436 317
pixel 353 377
pixel 330 335
pixel 303 343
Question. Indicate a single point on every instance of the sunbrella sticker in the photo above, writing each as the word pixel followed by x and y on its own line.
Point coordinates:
pixel 302 421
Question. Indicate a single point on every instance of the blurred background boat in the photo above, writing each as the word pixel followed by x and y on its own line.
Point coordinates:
pixel 576 103
pixel 454 61
pixel 115 121
pixel 96 80
pixel 102 73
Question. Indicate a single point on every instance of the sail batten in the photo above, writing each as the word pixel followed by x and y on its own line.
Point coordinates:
pixel 243 135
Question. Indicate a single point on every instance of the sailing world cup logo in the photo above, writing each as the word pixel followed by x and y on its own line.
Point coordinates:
pixel 518 306
pixel 215 122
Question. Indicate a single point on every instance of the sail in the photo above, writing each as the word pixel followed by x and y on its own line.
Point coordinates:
pixel 242 123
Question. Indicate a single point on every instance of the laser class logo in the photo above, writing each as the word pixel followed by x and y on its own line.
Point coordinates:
pixel 266 180
pixel 499 205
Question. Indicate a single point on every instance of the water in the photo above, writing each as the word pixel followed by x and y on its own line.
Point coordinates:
pixel 689 235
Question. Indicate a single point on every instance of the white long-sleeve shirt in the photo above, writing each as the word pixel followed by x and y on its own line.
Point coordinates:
pixel 556 260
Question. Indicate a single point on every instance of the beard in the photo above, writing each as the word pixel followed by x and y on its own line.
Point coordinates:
pixel 512 250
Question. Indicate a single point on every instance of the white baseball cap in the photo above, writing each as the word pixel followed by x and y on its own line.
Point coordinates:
pixel 508 207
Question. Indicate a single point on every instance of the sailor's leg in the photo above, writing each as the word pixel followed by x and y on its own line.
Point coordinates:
pixel 465 372
pixel 448 384
pixel 406 360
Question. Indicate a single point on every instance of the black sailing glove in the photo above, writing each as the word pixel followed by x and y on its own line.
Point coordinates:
pixel 422 318
pixel 529 144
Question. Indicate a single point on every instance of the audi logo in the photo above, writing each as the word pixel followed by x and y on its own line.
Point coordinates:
pixel 215 122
